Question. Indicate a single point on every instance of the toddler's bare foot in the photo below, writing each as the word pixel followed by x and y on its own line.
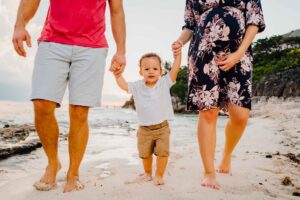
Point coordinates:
pixel 48 180
pixel 225 165
pixel 73 184
pixel 144 177
pixel 210 181
pixel 158 180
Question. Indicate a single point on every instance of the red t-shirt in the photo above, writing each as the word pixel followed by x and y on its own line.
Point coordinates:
pixel 76 22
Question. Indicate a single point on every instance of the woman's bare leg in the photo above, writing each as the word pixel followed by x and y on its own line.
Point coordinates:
pixel 238 118
pixel 207 145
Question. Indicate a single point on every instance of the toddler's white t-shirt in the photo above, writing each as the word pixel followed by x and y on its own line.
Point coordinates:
pixel 153 105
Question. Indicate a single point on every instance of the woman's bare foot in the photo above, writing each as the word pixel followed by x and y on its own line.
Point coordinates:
pixel 48 180
pixel 225 165
pixel 73 184
pixel 144 177
pixel 158 180
pixel 210 181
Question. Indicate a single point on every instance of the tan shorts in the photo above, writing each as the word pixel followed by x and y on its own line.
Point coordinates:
pixel 154 139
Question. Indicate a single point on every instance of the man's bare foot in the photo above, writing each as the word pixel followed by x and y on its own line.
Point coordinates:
pixel 144 177
pixel 73 184
pixel 210 181
pixel 48 180
pixel 158 180
pixel 225 165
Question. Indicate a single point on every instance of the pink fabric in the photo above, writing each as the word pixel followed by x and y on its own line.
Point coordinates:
pixel 76 22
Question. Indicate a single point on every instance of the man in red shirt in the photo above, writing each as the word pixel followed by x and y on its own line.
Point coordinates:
pixel 72 52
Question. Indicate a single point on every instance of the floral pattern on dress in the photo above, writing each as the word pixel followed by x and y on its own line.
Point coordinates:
pixel 246 64
pixel 234 95
pixel 218 28
pixel 215 30
pixel 192 70
pixel 212 70
pixel 205 98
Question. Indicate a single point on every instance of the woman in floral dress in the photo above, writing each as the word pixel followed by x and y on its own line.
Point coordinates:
pixel 219 71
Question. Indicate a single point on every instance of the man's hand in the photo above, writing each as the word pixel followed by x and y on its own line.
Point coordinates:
pixel 118 64
pixel 26 11
pixel 20 35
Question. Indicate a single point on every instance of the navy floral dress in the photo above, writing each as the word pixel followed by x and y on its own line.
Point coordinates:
pixel 218 28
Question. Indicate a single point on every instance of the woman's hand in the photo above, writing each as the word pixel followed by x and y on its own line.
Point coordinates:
pixel 226 62
pixel 184 37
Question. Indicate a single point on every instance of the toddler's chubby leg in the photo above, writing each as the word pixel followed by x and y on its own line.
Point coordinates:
pixel 161 150
pixel 147 163
pixel 161 164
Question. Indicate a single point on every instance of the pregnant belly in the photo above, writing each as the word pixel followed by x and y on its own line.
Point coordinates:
pixel 223 24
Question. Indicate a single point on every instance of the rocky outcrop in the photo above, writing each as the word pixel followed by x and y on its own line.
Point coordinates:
pixel 15 133
pixel 295 33
pixel 282 84
pixel 19 139
pixel 129 103
pixel 178 106
pixel 29 144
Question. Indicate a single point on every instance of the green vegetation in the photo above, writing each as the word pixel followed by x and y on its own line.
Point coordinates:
pixel 275 54
pixel 181 87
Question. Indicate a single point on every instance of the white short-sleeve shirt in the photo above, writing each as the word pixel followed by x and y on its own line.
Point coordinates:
pixel 153 105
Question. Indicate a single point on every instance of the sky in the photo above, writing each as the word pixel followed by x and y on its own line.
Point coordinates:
pixel 151 27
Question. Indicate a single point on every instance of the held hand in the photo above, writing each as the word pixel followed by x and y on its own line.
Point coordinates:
pixel 176 48
pixel 118 64
pixel 226 62
pixel 114 68
pixel 178 56
pixel 20 35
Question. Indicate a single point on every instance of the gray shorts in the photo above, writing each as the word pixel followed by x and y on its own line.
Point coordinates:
pixel 58 65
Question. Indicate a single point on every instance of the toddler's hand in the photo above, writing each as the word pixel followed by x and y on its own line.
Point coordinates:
pixel 119 62
pixel 176 48
pixel 114 67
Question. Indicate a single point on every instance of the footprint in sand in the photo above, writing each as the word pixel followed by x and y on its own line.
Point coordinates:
pixel 102 171
pixel 248 190
pixel 142 178
pixel 270 170
pixel 278 163
pixel 105 174
pixel 176 156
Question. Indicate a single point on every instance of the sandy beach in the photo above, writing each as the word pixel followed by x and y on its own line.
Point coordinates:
pixel 261 161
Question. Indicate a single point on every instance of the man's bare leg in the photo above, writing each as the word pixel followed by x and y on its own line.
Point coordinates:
pixel 48 132
pixel 238 118
pixel 78 137
pixel 161 164
pixel 207 145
